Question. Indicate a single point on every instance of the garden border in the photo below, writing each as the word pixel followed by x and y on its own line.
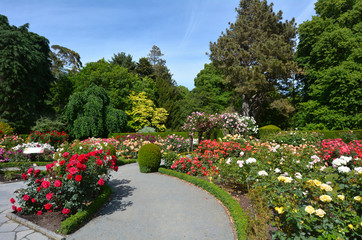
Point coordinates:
pixel 237 213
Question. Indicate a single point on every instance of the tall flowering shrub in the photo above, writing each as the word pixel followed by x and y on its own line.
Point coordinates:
pixel 233 123
pixel 53 138
pixel 10 141
pixel 70 184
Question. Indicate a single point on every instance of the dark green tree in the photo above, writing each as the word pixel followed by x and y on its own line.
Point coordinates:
pixel 330 50
pixel 116 80
pixel 90 114
pixel 25 75
pixel 211 91
pixel 167 94
pixel 124 60
pixel 256 56
pixel 144 68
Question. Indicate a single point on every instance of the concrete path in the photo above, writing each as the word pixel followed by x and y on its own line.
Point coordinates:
pixel 144 206
pixel 155 206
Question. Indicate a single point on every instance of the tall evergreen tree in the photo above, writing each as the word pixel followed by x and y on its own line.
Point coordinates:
pixel 330 49
pixel 124 60
pixel 25 75
pixel 256 56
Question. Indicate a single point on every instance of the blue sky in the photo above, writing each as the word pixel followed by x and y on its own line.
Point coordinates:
pixel 97 29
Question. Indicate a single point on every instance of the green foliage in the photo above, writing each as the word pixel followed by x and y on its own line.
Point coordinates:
pixel 268 130
pixel 294 138
pixel 60 91
pixel 75 221
pixel 147 129
pixel 236 212
pixel 25 75
pixel 123 60
pixel 157 134
pixel 5 129
pixel 116 80
pixel 145 113
pixel 256 56
pixel 144 68
pixel 211 92
pixel 46 124
pixel 149 158
pixel 330 50
pixel 64 61
pixel 89 114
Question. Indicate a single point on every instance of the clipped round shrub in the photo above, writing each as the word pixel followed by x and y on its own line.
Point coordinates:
pixel 268 130
pixel 149 158
pixel 5 129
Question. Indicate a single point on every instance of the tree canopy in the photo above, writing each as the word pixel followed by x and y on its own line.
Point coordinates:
pixel 25 75
pixel 256 56
pixel 330 50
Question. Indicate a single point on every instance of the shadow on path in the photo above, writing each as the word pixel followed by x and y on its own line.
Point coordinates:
pixel 122 190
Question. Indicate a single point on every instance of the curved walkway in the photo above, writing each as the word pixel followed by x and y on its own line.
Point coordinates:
pixel 155 206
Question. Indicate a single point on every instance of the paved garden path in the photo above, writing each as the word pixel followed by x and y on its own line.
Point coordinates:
pixel 155 206
pixel 144 206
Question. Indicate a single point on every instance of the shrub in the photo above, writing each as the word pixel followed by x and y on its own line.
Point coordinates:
pixel 268 130
pixel 45 124
pixel 10 141
pixel 53 138
pixel 147 129
pixel 5 129
pixel 149 158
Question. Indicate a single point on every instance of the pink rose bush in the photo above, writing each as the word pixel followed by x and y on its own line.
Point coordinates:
pixel 71 181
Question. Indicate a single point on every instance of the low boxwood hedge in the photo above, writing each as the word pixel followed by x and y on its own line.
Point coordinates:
pixel 161 134
pixel 236 212
pixel 73 222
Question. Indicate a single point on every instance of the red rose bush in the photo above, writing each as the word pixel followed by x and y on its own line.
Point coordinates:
pixel 71 182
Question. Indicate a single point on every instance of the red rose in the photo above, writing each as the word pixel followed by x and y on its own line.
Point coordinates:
pixel 99 162
pixel 69 176
pixel 38 189
pixel 24 176
pixel 45 184
pixel 26 197
pixel 30 170
pixel 14 208
pixel 78 178
pixel 19 209
pixel 39 213
pixel 101 181
pixel 49 196
pixel 12 200
pixel 49 166
pixel 36 172
pixel 61 163
pixel 66 211
pixel 66 155
pixel 48 206
pixel 57 183
pixel 73 170
pixel 33 200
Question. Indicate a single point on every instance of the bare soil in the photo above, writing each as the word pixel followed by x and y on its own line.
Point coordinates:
pixel 49 220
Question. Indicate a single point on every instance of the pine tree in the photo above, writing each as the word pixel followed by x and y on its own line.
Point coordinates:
pixel 256 56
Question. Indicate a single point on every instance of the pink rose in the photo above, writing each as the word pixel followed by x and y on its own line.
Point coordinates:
pixel 73 170
pixel 66 211
pixel 26 197
pixel 45 184
pixel 33 200
pixel 49 196
pixel 57 183
pixel 66 155
pixel 30 170
pixel 101 181
pixel 19 209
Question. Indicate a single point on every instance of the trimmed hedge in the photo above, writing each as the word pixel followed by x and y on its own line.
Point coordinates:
pixel 268 130
pixel 236 212
pixel 149 158
pixel 73 222
pixel 18 164
pixel 161 134
pixel 125 161
pixel 333 134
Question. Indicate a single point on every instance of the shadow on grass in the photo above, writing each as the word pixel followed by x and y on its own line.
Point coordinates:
pixel 122 189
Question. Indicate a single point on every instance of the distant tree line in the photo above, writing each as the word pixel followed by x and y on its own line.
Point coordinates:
pixel 256 69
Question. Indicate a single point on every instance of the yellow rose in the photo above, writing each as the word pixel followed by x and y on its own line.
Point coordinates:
pixel 288 180
pixel 326 187
pixel 309 209
pixel 350 226
pixel 357 198
pixel 320 213
pixel 281 178
pixel 316 182
pixel 279 209
pixel 325 198
pixel 341 197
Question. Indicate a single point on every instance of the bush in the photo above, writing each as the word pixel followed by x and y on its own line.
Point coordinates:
pixel 10 141
pixel 147 129
pixel 268 130
pixel 149 158
pixel 53 138
pixel 45 124
pixel 5 129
